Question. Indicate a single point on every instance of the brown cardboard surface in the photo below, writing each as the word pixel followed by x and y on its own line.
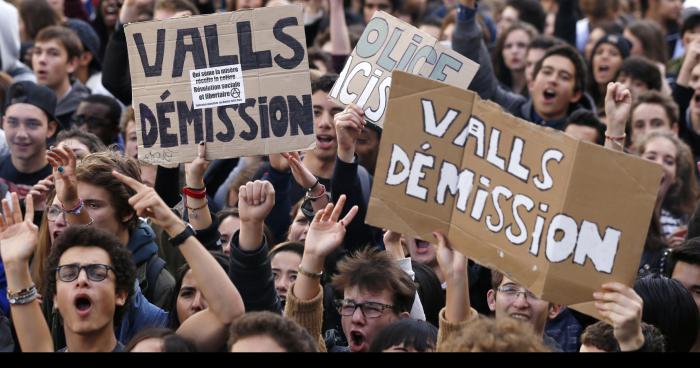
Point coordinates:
pixel 592 206
pixel 388 44
pixel 276 114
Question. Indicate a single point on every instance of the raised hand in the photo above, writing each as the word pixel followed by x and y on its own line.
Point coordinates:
pixel 63 162
pixel 40 190
pixel 618 104
pixel 392 244
pixel 301 173
pixel 452 263
pixel 348 127
pixel 136 11
pixel 147 203
pixel 326 233
pixel 194 171
pixel 18 237
pixel 255 201
pixel 622 307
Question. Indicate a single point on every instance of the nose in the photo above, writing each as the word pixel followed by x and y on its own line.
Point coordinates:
pixel 326 120
pixel 82 277
pixel 521 301
pixel 199 303
pixel 61 220
pixel 357 316
pixel 281 285
pixel 226 248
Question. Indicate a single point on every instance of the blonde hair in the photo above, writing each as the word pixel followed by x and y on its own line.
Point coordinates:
pixel 496 335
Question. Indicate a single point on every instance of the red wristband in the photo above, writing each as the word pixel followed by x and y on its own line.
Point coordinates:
pixel 199 194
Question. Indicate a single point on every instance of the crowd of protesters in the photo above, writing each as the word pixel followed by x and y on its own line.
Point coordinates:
pixel 101 252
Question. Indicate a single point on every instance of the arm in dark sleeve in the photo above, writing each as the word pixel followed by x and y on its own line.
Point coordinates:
pixel 278 220
pixel 468 41
pixel 167 185
pixel 682 95
pixel 210 237
pixel 251 272
pixel 346 181
pixel 116 77
pixel 565 23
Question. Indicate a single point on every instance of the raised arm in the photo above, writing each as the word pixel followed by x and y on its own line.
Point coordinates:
pixel 392 244
pixel 346 174
pixel 304 299
pixel 340 39
pixel 457 311
pixel 208 328
pixel 197 207
pixel 250 267
pixel 303 176
pixel 621 307
pixel 18 238
pixel 63 161
pixel 468 41
pixel 116 76
pixel 618 103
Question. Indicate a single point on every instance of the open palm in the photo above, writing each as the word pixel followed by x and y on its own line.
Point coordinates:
pixel 326 233
pixel 18 237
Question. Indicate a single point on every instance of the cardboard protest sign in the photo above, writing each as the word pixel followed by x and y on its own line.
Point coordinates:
pixel 388 44
pixel 239 81
pixel 555 214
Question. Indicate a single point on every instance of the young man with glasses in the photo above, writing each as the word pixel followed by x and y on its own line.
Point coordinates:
pixel 376 292
pixel 91 279
pixel 509 299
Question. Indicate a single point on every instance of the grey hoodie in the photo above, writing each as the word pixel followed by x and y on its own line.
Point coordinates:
pixel 68 104
pixel 9 44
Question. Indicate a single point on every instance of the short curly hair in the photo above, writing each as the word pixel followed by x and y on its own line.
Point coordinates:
pixel 96 169
pixel 496 335
pixel 87 236
pixel 287 334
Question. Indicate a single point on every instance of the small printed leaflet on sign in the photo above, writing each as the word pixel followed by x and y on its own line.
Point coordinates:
pixel 219 86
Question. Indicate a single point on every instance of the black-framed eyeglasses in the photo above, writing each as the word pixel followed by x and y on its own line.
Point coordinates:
pixel 95 271
pixel 346 307
pixel 512 292
pixel 91 121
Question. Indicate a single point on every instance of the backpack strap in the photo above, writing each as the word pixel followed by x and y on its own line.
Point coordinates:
pixel 153 268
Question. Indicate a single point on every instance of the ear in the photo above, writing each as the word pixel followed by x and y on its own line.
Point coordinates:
pixel 85 59
pixel 576 96
pixel 128 217
pixel 120 298
pixel 72 64
pixel 51 128
pixel 554 310
pixel 491 299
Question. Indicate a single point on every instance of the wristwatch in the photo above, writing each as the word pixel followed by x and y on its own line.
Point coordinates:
pixel 180 238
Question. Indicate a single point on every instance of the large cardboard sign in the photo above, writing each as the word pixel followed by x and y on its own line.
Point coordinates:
pixel 388 44
pixel 557 215
pixel 239 81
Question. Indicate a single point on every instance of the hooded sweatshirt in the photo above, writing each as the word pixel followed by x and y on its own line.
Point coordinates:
pixel 69 103
pixel 9 44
